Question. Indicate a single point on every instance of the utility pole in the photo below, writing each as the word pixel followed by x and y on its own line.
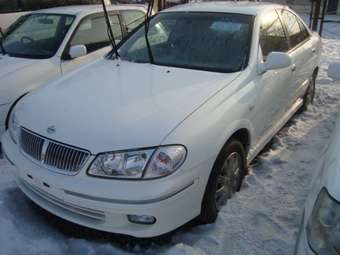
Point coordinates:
pixel 316 15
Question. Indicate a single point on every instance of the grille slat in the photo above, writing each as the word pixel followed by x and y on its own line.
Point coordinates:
pixel 72 162
pixel 52 155
pixel 59 157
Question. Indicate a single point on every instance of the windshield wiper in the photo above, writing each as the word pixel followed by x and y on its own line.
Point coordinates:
pixel 1 44
pixel 109 29
pixel 146 27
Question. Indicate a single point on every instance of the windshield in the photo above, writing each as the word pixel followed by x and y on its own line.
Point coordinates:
pixel 36 36
pixel 217 42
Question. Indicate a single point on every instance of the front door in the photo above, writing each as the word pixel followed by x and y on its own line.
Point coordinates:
pixel 272 85
pixel 92 33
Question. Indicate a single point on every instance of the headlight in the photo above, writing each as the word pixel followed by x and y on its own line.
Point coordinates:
pixel 165 161
pixel 323 227
pixel 138 164
pixel 13 128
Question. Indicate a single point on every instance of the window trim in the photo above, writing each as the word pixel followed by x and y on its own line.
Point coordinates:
pixel 293 48
pixel 64 55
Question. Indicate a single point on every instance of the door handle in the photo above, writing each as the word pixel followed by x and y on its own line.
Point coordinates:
pixel 293 68
pixel 313 50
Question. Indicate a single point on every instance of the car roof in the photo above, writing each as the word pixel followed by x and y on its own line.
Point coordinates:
pixel 89 9
pixel 241 7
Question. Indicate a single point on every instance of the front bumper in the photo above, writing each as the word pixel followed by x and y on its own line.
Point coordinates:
pixel 104 204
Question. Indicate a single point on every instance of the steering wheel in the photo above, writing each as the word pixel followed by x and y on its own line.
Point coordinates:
pixel 25 39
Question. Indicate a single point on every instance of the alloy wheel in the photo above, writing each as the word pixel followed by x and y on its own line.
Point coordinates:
pixel 228 179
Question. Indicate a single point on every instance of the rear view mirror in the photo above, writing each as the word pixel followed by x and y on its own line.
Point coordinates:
pixel 334 71
pixel 45 21
pixel 276 60
pixel 77 51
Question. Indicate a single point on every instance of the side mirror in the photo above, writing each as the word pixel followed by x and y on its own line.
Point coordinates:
pixel 77 51
pixel 334 71
pixel 276 60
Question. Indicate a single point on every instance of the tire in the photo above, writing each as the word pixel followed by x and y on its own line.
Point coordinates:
pixel 223 173
pixel 308 98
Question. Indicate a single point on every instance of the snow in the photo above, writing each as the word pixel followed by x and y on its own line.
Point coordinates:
pixel 263 218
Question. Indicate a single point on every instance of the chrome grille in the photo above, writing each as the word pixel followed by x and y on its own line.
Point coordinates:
pixel 52 154
pixel 31 144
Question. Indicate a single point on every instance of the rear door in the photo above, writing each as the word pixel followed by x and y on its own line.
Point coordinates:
pixel 301 52
pixel 92 32
pixel 132 18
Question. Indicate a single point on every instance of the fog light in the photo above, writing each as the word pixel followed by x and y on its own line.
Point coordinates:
pixel 142 219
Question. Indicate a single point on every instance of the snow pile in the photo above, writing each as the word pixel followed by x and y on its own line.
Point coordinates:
pixel 263 218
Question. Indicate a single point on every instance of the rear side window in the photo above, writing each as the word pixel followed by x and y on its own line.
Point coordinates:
pixel 296 30
pixel 304 31
pixel 92 32
pixel 132 18
pixel 272 35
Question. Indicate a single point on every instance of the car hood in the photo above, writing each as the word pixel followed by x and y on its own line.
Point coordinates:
pixel 10 65
pixel 111 105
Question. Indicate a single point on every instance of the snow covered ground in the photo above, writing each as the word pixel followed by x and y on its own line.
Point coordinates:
pixel 263 218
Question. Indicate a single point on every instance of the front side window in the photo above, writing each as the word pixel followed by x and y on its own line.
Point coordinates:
pixel 296 33
pixel 37 35
pixel 132 18
pixel 92 32
pixel 272 35
pixel 207 41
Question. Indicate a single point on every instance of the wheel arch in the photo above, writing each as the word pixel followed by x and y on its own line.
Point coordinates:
pixel 240 130
pixel 11 108
pixel 242 135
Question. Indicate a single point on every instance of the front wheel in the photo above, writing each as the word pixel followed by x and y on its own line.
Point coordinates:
pixel 225 180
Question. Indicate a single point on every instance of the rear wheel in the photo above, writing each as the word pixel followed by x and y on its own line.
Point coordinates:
pixel 224 181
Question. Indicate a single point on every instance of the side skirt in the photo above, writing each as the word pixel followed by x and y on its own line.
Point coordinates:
pixel 256 149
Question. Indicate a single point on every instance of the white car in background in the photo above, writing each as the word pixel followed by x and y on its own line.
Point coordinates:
pixel 320 227
pixel 46 44
pixel 142 143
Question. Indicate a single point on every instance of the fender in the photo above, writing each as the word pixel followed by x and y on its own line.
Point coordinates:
pixel 232 129
pixel 11 108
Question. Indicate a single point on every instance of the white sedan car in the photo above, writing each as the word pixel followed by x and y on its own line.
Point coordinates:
pixel 48 43
pixel 143 142
pixel 320 227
